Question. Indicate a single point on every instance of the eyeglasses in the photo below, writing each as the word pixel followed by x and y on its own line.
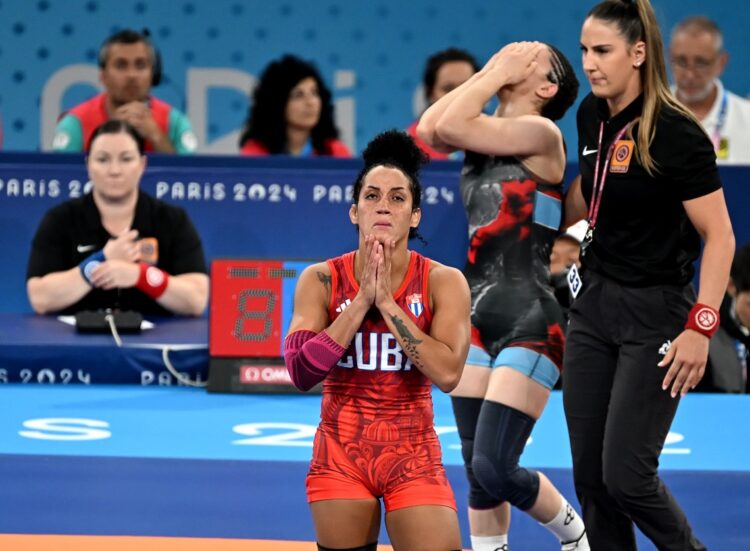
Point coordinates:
pixel 700 65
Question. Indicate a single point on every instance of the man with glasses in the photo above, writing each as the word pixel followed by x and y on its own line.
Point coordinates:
pixel 698 59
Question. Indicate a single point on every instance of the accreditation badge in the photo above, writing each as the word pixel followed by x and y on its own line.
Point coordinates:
pixel 620 162
pixel 149 250
pixel 574 281
pixel 722 153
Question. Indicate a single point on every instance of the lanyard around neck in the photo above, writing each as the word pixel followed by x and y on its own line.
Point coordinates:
pixel 722 118
pixel 600 178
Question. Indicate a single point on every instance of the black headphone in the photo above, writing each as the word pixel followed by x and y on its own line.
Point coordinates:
pixel 128 36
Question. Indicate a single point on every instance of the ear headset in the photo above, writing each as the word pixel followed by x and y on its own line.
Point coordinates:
pixel 128 36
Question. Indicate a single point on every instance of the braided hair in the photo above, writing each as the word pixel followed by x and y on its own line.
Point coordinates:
pixel 564 76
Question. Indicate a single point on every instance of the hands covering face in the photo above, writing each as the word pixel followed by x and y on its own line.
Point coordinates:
pixel 515 61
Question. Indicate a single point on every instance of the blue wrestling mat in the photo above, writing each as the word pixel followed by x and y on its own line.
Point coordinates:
pixel 174 461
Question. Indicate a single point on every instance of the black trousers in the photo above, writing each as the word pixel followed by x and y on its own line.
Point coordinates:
pixel 618 416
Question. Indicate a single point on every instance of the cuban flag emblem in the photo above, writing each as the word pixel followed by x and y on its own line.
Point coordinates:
pixel 414 302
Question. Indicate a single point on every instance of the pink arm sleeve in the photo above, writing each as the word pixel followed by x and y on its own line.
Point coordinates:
pixel 309 356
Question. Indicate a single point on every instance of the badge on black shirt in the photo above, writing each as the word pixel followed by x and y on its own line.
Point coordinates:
pixel 620 162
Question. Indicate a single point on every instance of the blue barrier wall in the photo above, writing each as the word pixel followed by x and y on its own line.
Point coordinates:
pixel 371 53
pixel 263 208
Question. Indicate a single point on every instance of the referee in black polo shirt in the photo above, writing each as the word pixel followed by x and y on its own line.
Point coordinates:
pixel 117 247
pixel 638 337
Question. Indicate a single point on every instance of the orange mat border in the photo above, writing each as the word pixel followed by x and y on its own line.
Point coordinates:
pixel 34 542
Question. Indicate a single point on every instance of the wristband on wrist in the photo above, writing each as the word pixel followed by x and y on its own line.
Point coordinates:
pixel 704 319
pixel 89 264
pixel 152 280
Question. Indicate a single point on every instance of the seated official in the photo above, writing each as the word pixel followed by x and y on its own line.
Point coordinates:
pixel 129 67
pixel 117 247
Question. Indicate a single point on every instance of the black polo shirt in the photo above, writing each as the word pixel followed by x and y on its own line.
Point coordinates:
pixel 73 230
pixel 643 235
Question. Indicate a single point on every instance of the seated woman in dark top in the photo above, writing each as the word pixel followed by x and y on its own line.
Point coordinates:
pixel 117 247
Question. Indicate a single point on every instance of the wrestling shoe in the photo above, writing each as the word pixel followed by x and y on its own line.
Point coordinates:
pixel 581 544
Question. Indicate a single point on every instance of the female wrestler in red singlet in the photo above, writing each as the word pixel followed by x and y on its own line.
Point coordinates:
pixel 380 325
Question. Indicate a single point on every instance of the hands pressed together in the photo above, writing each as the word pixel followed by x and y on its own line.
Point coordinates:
pixel 375 285
pixel 138 115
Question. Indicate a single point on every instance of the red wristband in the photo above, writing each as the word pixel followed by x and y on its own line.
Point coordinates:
pixel 704 319
pixel 152 280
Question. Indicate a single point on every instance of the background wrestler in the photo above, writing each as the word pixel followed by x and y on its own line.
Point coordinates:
pixel 511 188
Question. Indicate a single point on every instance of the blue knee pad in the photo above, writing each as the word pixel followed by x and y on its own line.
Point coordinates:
pixel 466 412
pixel 500 438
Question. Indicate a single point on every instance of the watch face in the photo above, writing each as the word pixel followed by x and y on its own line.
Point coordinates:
pixel 251 306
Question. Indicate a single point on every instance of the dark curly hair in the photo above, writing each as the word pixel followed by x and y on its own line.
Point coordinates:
pixel 266 121
pixel 395 149
pixel 564 76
